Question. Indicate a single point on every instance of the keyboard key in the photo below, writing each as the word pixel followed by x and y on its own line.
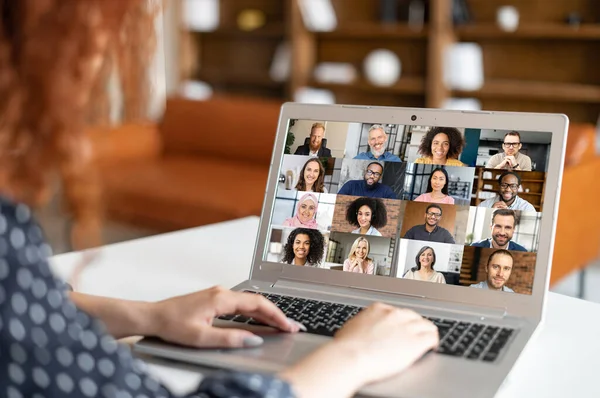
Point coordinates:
pixel 457 338
pixel 253 321
pixel 490 357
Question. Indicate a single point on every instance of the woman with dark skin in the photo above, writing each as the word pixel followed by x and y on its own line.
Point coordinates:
pixel 367 214
pixel 50 55
pixel 304 247
pixel 441 145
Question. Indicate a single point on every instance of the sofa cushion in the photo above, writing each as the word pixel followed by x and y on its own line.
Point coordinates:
pixel 581 144
pixel 176 192
pixel 230 128
pixel 124 142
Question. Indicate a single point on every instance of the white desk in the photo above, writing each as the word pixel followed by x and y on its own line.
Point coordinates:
pixel 563 361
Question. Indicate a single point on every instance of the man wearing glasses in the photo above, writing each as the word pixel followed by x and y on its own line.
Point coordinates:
pixel 370 185
pixel 507 197
pixel 430 231
pixel 377 145
pixel 511 158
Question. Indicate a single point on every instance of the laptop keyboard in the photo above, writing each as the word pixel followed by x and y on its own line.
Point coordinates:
pixel 460 339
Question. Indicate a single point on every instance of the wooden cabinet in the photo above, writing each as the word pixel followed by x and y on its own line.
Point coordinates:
pixel 545 65
pixel 532 187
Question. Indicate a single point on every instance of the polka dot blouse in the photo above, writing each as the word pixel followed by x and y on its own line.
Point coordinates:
pixel 50 348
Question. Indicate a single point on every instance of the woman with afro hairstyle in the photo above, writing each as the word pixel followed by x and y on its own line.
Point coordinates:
pixel 441 145
pixel 304 247
pixel 367 214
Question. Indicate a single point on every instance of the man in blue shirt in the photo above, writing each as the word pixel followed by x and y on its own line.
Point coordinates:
pixel 377 145
pixel 503 227
pixel 370 185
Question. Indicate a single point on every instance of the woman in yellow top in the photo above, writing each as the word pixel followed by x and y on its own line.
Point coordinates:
pixel 441 145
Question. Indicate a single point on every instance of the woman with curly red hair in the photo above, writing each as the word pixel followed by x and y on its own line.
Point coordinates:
pixel 56 343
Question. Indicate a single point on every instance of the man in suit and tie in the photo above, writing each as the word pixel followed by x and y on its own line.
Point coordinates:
pixel 315 147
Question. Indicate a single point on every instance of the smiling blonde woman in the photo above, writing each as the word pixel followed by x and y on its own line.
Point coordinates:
pixel 358 260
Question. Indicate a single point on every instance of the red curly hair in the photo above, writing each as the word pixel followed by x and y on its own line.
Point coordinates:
pixel 53 65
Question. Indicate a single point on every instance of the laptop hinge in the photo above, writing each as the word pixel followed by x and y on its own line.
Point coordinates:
pixel 409 300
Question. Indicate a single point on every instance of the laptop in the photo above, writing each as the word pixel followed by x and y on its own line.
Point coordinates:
pixel 467 244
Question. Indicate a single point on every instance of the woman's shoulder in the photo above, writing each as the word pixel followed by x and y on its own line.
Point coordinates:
pixel 454 162
pixel 423 160
pixel 439 277
pixel 14 214
pixel 8 206
pixel 449 200
pixel 424 197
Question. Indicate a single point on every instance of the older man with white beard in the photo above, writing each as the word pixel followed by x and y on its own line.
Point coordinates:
pixel 377 145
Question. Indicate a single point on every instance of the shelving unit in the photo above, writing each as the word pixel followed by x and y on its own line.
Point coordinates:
pixel 545 65
pixel 542 31
pixel 530 180
pixel 459 188
pixel 237 61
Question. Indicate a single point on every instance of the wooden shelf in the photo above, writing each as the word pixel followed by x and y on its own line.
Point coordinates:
pixel 271 31
pixel 529 193
pixel 543 66
pixel 495 180
pixel 532 90
pixel 375 31
pixel 405 85
pixel 542 31
pixel 219 77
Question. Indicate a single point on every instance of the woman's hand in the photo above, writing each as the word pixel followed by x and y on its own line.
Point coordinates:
pixel 188 319
pixel 389 339
pixel 379 342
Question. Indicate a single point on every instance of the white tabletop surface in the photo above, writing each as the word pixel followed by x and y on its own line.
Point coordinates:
pixel 562 361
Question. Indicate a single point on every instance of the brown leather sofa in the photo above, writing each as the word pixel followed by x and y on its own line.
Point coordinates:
pixel 207 162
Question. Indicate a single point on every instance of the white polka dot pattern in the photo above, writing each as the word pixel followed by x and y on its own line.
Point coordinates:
pixel 50 348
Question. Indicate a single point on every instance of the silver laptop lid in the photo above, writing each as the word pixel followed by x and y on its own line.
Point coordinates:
pixel 450 220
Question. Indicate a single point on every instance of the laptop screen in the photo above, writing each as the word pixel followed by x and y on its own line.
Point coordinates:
pixel 458 206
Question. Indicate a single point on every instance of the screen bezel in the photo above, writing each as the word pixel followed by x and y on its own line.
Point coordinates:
pixel 514 304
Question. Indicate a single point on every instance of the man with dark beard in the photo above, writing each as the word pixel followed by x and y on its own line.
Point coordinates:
pixel 503 227
pixel 370 185
pixel 507 198
pixel 498 270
